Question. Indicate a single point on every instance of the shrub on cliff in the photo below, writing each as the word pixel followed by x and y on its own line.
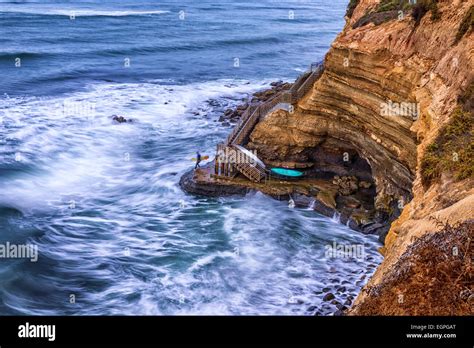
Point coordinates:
pixel 467 99
pixel 422 7
pixel 466 25
pixel 390 9
pixel 351 7
pixel 452 151
pixel 391 5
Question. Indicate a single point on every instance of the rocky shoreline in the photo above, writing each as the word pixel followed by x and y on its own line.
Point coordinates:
pixel 338 294
pixel 322 196
pixel 345 197
pixel 350 199
pixel 232 115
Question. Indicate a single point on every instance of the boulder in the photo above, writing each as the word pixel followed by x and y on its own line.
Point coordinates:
pixel 120 119
pixel 329 297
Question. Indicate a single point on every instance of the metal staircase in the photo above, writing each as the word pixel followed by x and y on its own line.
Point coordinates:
pixel 248 164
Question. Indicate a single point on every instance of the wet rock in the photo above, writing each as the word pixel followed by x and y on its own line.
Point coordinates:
pixel 269 93
pixel 349 202
pixel 120 119
pixel 213 102
pixel 326 289
pixel 312 309
pixel 329 297
pixel 301 200
pixel 323 209
pixel 341 288
pixel 326 308
pixel 189 184
pixel 243 107
pixel 376 228
pixel 351 290
pixel 347 184
pixel 352 224
pixel 341 307
pixel 255 99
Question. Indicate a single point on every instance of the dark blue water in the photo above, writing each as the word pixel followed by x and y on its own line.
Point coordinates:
pixel 190 41
pixel 101 201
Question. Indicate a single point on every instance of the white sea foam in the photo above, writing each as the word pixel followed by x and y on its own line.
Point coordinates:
pixel 80 12
pixel 127 227
pixel 85 152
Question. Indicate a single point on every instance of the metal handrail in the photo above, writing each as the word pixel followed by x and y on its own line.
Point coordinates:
pixel 301 86
pixel 253 114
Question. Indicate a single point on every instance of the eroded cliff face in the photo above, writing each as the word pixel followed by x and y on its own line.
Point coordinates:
pixel 387 92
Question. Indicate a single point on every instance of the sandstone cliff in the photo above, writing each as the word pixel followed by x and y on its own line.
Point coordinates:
pixel 396 94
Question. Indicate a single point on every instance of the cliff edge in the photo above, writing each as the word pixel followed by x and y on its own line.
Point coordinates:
pixel 395 102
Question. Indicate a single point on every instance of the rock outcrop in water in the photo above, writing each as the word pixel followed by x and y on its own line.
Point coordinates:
pixel 397 92
pixel 120 119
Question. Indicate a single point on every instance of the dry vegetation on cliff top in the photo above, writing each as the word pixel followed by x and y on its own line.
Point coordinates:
pixel 433 277
pixel 388 10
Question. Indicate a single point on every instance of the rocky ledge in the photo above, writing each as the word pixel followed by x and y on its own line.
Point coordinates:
pixel 346 198
pixel 191 183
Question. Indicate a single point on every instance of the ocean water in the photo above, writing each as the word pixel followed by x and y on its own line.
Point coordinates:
pixel 101 201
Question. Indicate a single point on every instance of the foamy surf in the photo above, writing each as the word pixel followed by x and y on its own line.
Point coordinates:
pixel 81 12
pixel 76 145
pixel 105 217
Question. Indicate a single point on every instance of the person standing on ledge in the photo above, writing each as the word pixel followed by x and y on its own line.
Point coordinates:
pixel 198 160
